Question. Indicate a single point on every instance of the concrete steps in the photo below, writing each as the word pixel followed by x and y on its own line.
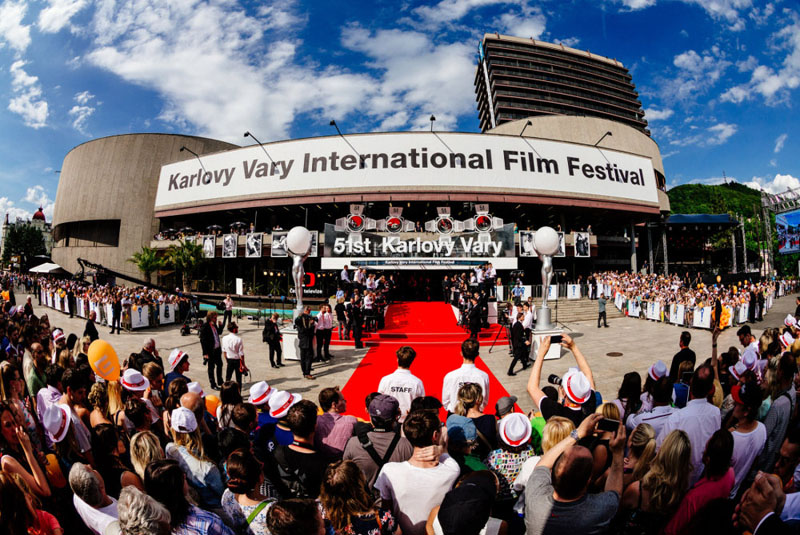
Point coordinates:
pixel 580 309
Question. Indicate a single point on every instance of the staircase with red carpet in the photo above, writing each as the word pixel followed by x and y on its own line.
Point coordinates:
pixel 431 329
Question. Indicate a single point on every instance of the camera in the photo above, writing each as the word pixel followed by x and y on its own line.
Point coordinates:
pixel 554 379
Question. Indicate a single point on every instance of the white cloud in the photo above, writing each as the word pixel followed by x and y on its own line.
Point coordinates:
pixel 58 14
pixel 779 142
pixel 748 64
pixel 449 11
pixel 569 41
pixel 81 112
pixel 7 206
pixel 773 163
pixel 760 16
pixel 634 5
pixel 773 84
pixel 711 136
pixel 35 196
pixel 696 74
pixel 12 31
pixel 524 24
pixel 654 114
pixel 27 101
pixel 778 184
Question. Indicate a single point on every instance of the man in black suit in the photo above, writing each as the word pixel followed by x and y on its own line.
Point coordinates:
pixel 71 302
pixel 356 321
pixel 212 349
pixel 520 344
pixel 683 355
pixel 116 315
pixel 474 318
pixel 149 353
pixel 305 336
pixel 91 329
pixel 751 310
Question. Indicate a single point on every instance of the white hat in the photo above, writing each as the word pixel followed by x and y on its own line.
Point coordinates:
pixel 737 370
pixel 195 387
pixel 183 420
pixel 260 393
pixel 134 381
pixel 515 429
pixel 786 340
pixel 56 421
pixel 175 358
pixel 58 334
pixel 280 402
pixel 790 321
pixel 576 386
pixel 657 370
pixel 749 358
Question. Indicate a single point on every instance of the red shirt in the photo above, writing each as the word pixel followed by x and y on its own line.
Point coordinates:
pixel 698 496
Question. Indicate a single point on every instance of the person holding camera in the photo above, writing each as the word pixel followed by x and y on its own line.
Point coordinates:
pixel 576 387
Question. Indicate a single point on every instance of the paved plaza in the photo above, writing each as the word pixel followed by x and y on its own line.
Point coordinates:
pixel 640 342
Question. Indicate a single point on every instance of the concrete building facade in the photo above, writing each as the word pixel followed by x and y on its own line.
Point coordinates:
pixel 107 187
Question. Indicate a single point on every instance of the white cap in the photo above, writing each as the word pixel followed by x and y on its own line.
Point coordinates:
pixel 515 429
pixel 790 321
pixel 749 358
pixel 183 420
pixel 737 370
pixel 786 340
pixel 280 402
pixel 134 381
pixel 56 421
pixel 657 370
pixel 175 358
pixel 260 393
pixel 195 387
pixel 576 386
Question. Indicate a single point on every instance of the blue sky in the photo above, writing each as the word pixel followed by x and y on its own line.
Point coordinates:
pixel 718 78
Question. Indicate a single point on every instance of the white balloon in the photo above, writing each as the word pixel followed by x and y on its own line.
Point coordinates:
pixel 546 241
pixel 298 241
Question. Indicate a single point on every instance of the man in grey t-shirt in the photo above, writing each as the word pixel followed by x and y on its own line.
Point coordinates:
pixel 601 311
pixel 556 500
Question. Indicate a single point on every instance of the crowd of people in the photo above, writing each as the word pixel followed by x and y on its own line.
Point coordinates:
pixel 696 446
pixel 113 305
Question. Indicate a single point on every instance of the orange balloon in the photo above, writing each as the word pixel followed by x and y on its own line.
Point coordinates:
pixel 103 360
pixel 212 402
pixel 719 278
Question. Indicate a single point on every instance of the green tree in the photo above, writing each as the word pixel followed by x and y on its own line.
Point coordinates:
pixel 185 258
pixel 27 242
pixel 148 261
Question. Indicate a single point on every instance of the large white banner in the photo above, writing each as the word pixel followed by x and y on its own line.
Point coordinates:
pixel 166 313
pixel 573 291
pixel 140 316
pixel 552 293
pixel 702 317
pixel 407 162
pixel 743 312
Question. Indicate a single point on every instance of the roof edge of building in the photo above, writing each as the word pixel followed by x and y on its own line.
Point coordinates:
pixel 554 46
pixel 166 134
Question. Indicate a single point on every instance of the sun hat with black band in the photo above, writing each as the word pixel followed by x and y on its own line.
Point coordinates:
pixel 56 420
pixel 134 381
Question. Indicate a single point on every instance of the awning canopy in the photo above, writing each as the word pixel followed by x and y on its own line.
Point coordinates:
pixel 707 221
pixel 48 267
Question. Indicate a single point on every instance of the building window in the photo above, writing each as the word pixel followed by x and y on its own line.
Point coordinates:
pixel 94 233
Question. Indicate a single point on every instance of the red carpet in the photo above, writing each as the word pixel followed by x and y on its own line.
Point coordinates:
pixel 431 329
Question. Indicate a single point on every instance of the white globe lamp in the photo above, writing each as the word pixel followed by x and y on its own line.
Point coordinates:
pixel 298 241
pixel 545 241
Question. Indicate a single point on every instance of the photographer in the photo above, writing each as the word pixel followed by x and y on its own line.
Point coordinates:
pixel 576 387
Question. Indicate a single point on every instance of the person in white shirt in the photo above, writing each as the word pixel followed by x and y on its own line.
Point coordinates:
pixel 324 328
pixel 233 353
pixel 411 489
pixel 96 508
pixel 749 435
pixel 401 384
pixel 699 419
pixel 661 410
pixel 467 373
pixel 527 322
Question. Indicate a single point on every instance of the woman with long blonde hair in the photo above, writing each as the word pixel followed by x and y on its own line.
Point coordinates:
pixel 470 401
pixel 144 448
pixel 347 503
pixel 651 502
pixel 641 452
pixel 187 448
